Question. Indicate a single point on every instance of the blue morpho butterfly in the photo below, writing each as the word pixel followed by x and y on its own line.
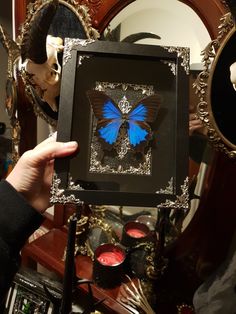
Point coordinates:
pixel 136 121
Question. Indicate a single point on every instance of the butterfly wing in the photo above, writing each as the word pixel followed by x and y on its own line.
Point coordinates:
pixel 146 109
pixel 143 113
pixel 138 134
pixel 108 115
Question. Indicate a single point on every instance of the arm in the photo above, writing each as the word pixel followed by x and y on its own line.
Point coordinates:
pixel 18 220
pixel 24 195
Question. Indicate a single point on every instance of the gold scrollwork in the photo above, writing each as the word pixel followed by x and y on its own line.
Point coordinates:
pixel 85 225
pixel 203 83
pixel 94 6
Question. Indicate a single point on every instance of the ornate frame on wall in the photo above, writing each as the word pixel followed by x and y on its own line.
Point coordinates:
pixel 217 58
pixel 73 108
pixel 33 9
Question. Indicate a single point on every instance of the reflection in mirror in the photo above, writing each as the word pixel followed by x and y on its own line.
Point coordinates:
pixel 165 19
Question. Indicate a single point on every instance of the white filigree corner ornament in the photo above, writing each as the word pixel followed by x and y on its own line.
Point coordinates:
pixel 57 194
pixel 182 201
pixel 70 43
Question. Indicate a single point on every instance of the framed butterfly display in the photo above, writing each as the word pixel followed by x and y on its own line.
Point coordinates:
pixel 127 106
pixel 122 133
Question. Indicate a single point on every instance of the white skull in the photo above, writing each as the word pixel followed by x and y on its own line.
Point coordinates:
pixel 233 74
pixel 47 76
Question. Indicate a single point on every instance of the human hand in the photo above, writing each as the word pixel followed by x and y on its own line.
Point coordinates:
pixel 195 124
pixel 32 175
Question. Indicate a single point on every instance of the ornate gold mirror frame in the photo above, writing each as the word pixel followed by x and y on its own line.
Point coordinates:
pixel 33 10
pixel 206 86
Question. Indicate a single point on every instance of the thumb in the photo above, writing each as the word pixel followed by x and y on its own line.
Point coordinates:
pixel 49 151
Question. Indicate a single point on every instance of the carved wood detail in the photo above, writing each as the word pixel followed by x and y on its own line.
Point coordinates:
pixel 102 12
pixel 217 9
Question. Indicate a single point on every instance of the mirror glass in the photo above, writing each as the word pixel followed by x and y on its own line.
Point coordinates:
pixel 178 25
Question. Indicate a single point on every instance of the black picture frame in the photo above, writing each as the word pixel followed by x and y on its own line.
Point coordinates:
pixel 88 63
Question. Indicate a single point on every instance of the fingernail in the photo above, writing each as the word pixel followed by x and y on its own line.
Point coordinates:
pixel 72 144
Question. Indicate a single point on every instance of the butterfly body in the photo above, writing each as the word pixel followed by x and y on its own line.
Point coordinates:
pixel 135 120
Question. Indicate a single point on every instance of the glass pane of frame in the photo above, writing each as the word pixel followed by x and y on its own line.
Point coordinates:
pixel 127 106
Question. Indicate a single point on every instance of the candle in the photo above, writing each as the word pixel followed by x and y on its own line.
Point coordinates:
pixel 111 258
pixel 108 265
pixel 136 233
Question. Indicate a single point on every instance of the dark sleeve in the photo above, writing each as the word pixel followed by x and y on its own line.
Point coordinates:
pixel 18 220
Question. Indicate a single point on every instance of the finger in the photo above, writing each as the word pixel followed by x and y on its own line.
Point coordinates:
pixel 50 150
pixel 197 123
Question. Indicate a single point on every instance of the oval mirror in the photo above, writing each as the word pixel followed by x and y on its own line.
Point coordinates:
pixel 56 20
pixel 160 18
pixel 216 88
